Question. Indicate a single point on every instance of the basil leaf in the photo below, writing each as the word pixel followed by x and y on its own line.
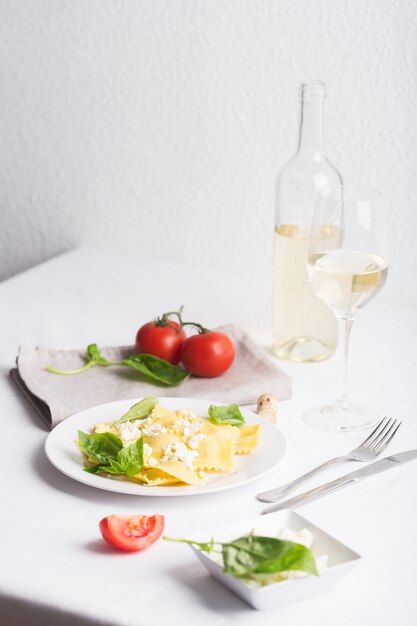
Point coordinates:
pixel 156 368
pixel 295 557
pixel 139 411
pixel 93 354
pixel 99 447
pixel 113 467
pixel 131 458
pixel 266 555
pixel 129 461
pixel 93 351
pixel 93 470
pixel 230 414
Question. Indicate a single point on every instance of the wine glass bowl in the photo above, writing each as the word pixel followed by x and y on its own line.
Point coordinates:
pixel 347 266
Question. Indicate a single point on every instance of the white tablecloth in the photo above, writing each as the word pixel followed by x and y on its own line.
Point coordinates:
pixel 56 570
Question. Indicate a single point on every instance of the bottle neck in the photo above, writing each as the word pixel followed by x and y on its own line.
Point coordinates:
pixel 312 124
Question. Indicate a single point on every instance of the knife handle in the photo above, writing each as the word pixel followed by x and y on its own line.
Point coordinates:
pixel 309 496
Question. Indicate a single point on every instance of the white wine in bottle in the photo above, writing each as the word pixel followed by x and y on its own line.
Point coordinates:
pixel 304 328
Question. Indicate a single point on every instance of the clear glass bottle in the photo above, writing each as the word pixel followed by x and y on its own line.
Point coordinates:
pixel 304 328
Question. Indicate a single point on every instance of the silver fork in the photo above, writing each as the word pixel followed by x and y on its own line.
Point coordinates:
pixel 366 451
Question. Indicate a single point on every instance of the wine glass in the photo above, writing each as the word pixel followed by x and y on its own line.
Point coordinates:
pixel 347 267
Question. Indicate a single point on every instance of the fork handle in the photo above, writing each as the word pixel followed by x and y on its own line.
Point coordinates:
pixel 276 494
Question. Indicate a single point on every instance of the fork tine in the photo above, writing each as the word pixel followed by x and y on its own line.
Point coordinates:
pixel 380 436
pixel 387 430
pixel 367 440
pixel 383 444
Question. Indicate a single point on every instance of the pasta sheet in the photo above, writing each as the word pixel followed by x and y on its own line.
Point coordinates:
pixel 182 448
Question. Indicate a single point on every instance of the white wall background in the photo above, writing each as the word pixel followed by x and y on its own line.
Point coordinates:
pixel 159 125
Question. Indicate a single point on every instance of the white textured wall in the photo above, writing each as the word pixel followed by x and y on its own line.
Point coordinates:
pixel 160 125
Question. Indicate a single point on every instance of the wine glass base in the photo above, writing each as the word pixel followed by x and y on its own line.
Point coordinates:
pixel 337 418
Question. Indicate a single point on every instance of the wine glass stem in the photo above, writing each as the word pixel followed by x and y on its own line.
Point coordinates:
pixel 345 326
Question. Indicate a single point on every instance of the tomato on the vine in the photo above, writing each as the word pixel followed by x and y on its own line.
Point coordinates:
pixel 207 354
pixel 163 338
pixel 131 533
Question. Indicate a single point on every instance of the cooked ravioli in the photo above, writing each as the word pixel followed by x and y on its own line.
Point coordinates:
pixel 181 447
pixel 248 438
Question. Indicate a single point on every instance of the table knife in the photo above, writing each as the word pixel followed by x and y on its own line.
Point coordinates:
pixel 348 479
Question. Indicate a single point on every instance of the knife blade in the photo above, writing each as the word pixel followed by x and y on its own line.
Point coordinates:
pixel 373 468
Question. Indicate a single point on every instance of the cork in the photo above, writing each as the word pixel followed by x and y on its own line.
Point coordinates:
pixel 267 407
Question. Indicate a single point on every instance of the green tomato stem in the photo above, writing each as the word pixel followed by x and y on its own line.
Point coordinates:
pixel 164 321
pixel 201 329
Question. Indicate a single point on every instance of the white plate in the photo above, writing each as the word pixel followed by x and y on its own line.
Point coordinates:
pixel 341 559
pixel 61 450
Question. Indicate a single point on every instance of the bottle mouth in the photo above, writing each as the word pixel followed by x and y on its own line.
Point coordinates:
pixel 313 88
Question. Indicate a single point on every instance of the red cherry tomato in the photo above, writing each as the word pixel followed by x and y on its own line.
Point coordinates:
pixel 131 533
pixel 208 354
pixel 163 341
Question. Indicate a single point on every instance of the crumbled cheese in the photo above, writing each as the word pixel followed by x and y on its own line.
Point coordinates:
pixel 146 422
pixel 304 536
pixel 153 430
pixel 185 415
pixel 128 431
pixel 194 440
pixel 180 423
pixel 148 459
pixel 178 451
pixel 188 429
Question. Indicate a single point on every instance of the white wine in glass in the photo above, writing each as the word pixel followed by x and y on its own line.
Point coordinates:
pixel 346 275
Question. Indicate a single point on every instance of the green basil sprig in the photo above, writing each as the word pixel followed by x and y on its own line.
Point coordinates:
pixel 107 452
pixel 251 555
pixel 230 414
pixel 150 366
pixel 93 356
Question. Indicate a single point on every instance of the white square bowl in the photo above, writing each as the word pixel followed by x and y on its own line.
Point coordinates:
pixel 341 559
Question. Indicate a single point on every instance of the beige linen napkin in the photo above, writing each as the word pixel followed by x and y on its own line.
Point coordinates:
pixel 56 397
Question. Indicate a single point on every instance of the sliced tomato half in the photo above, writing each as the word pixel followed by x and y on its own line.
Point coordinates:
pixel 132 533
